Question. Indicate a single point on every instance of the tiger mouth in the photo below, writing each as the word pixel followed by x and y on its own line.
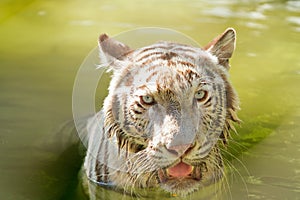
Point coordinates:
pixel 180 172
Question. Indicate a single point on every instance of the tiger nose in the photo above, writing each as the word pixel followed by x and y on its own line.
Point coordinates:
pixel 180 150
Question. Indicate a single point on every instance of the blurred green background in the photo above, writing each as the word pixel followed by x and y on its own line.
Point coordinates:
pixel 43 43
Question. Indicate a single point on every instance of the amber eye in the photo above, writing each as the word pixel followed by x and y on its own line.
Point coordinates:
pixel 201 95
pixel 147 99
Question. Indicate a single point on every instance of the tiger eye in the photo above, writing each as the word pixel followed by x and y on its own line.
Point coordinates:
pixel 201 95
pixel 147 99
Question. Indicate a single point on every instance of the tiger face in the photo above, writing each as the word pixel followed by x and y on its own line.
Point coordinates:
pixel 169 107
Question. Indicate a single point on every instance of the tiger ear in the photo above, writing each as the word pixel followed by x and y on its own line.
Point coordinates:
pixel 112 52
pixel 223 46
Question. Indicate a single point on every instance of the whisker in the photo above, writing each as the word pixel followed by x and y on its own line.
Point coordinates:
pixel 223 178
pixel 231 165
pixel 238 160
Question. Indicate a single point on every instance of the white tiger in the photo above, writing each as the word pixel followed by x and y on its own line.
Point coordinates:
pixel 169 108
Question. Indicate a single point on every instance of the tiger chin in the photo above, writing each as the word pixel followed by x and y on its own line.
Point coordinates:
pixel 169 109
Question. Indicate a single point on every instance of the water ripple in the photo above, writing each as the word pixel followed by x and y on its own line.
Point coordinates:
pixel 226 12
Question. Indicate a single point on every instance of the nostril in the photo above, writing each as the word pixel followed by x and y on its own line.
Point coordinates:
pixel 180 150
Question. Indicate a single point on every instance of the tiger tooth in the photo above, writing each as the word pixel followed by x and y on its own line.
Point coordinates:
pixel 198 173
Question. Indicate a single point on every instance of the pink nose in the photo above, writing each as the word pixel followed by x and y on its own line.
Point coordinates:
pixel 179 149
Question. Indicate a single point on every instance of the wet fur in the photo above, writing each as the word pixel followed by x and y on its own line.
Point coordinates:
pixel 125 147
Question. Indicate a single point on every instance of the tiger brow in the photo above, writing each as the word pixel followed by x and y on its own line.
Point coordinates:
pixel 147 88
pixel 204 82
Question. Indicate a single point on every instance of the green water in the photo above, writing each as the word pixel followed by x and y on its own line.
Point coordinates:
pixel 43 43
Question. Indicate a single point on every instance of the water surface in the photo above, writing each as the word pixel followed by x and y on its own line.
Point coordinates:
pixel 43 43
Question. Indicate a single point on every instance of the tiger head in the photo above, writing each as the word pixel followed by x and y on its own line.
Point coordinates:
pixel 174 105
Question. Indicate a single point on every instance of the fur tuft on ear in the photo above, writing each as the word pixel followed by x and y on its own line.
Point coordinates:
pixel 223 47
pixel 112 52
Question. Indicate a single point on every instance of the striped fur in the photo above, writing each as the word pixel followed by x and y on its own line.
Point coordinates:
pixel 168 103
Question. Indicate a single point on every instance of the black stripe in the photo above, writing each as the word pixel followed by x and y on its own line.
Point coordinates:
pixel 152 48
pixel 186 63
pixel 99 166
pixel 185 49
pixel 208 102
pixel 151 75
pixel 137 112
pixel 204 152
pixel 106 171
pixel 140 106
pixel 148 55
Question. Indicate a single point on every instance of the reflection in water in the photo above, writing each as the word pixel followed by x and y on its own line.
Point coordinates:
pixel 217 191
pixel 44 42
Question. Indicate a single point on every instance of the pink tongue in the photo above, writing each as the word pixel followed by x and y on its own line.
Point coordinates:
pixel 180 170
